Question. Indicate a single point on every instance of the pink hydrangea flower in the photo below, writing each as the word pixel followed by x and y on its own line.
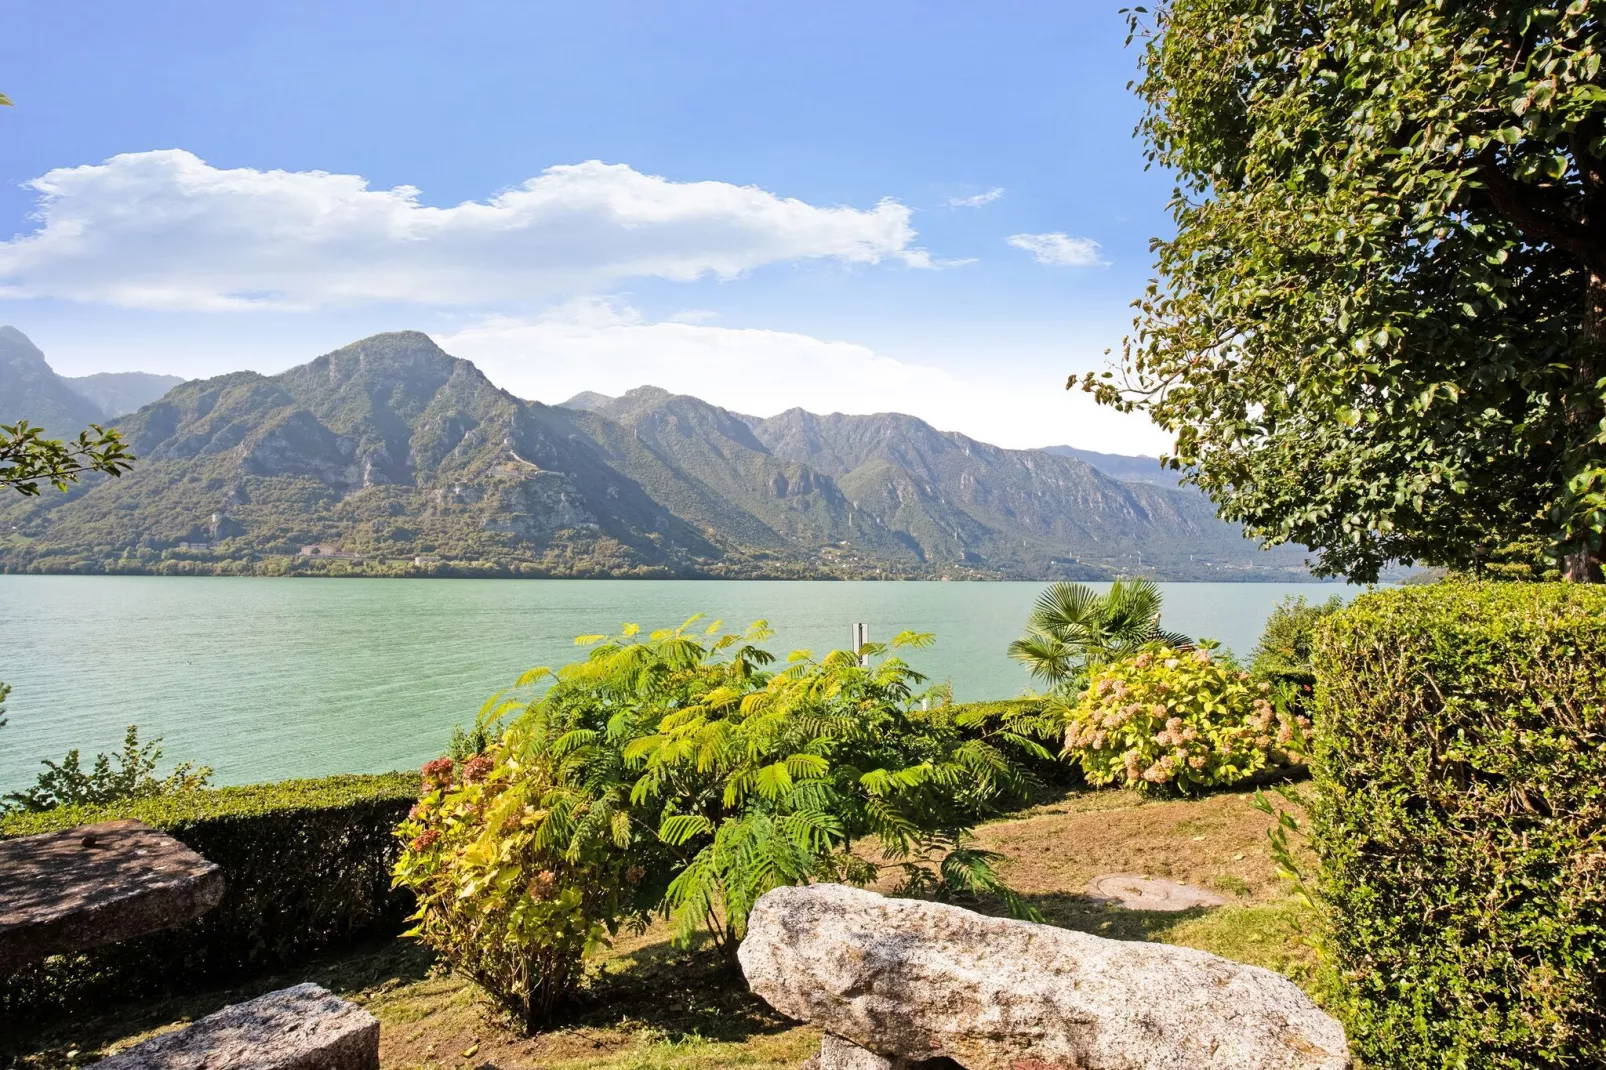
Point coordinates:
pixel 438 773
pixel 477 768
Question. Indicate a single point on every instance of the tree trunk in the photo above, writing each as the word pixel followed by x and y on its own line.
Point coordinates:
pixel 1582 564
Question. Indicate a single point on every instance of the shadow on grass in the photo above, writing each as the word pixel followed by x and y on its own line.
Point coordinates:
pixel 1066 910
pixel 80 1038
pixel 1087 915
pixel 669 993
pixel 675 994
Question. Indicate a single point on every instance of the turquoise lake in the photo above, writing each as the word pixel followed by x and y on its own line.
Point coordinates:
pixel 264 679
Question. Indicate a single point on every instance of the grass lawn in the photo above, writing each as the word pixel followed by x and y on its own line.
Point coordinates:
pixel 649 1005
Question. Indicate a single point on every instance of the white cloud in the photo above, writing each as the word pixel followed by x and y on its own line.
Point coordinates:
pixel 978 200
pixel 603 345
pixel 694 315
pixel 166 230
pixel 1058 249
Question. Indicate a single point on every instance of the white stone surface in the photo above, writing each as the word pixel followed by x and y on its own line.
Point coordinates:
pixel 299 1028
pixel 916 980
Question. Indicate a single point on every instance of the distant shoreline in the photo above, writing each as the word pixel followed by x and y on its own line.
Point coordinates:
pixel 460 572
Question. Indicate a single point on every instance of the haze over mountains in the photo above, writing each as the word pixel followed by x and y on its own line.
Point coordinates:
pixel 390 456
pixel 1122 466
pixel 31 390
pixel 120 393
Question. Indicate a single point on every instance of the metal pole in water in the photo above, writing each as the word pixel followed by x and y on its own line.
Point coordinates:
pixel 861 636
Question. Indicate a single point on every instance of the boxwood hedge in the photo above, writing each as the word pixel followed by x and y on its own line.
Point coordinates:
pixel 1460 821
pixel 306 865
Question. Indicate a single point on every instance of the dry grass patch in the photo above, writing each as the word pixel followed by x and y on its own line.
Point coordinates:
pixel 1217 842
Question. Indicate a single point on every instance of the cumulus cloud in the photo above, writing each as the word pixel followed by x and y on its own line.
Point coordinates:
pixel 977 200
pixel 167 230
pixel 1059 249
pixel 607 346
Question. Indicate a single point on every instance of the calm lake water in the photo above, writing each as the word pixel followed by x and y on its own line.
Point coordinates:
pixel 271 678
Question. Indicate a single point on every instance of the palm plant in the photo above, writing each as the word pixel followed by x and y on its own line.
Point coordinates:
pixel 1073 628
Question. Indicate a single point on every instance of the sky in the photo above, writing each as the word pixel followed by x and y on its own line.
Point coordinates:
pixel 932 208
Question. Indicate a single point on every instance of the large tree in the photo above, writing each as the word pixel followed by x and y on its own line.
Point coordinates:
pixel 1380 327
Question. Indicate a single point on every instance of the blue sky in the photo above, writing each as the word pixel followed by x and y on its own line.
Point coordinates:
pixel 932 208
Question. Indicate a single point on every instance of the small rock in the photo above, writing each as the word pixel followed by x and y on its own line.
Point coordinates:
pixel 919 981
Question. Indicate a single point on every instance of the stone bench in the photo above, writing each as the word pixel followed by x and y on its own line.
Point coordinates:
pixel 299 1028
pixel 67 891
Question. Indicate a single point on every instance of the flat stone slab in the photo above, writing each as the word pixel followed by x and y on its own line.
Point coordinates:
pixel 67 891
pixel 300 1028
pixel 1134 892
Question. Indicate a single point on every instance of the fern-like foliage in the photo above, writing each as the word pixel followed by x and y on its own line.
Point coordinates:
pixel 690 763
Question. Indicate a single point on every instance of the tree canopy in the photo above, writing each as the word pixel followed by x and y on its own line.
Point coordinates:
pixel 1380 327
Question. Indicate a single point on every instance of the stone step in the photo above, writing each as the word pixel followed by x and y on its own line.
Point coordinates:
pixel 301 1028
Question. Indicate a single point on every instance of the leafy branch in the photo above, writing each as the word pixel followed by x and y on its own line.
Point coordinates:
pixel 28 458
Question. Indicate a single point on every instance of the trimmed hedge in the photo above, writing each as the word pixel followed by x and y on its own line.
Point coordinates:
pixel 1460 822
pixel 306 864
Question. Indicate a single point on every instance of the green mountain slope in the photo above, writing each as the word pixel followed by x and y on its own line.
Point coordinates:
pixel 1015 511
pixel 388 449
pixel 30 390
pixel 389 456
pixel 705 464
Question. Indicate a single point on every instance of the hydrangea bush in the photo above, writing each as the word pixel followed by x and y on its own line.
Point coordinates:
pixel 1185 719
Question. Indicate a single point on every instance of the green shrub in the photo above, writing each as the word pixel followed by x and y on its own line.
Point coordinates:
pixel 67 783
pixel 518 867
pixel 1288 641
pixel 679 773
pixel 1460 823
pixel 1287 644
pixel 1050 771
pixel 306 865
pixel 1182 718
pixel 463 745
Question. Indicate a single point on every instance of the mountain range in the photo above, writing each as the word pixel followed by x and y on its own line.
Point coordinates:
pixel 31 390
pixel 390 456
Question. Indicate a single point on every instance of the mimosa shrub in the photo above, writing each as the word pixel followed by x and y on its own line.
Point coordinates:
pixel 682 774
pixel 1179 718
